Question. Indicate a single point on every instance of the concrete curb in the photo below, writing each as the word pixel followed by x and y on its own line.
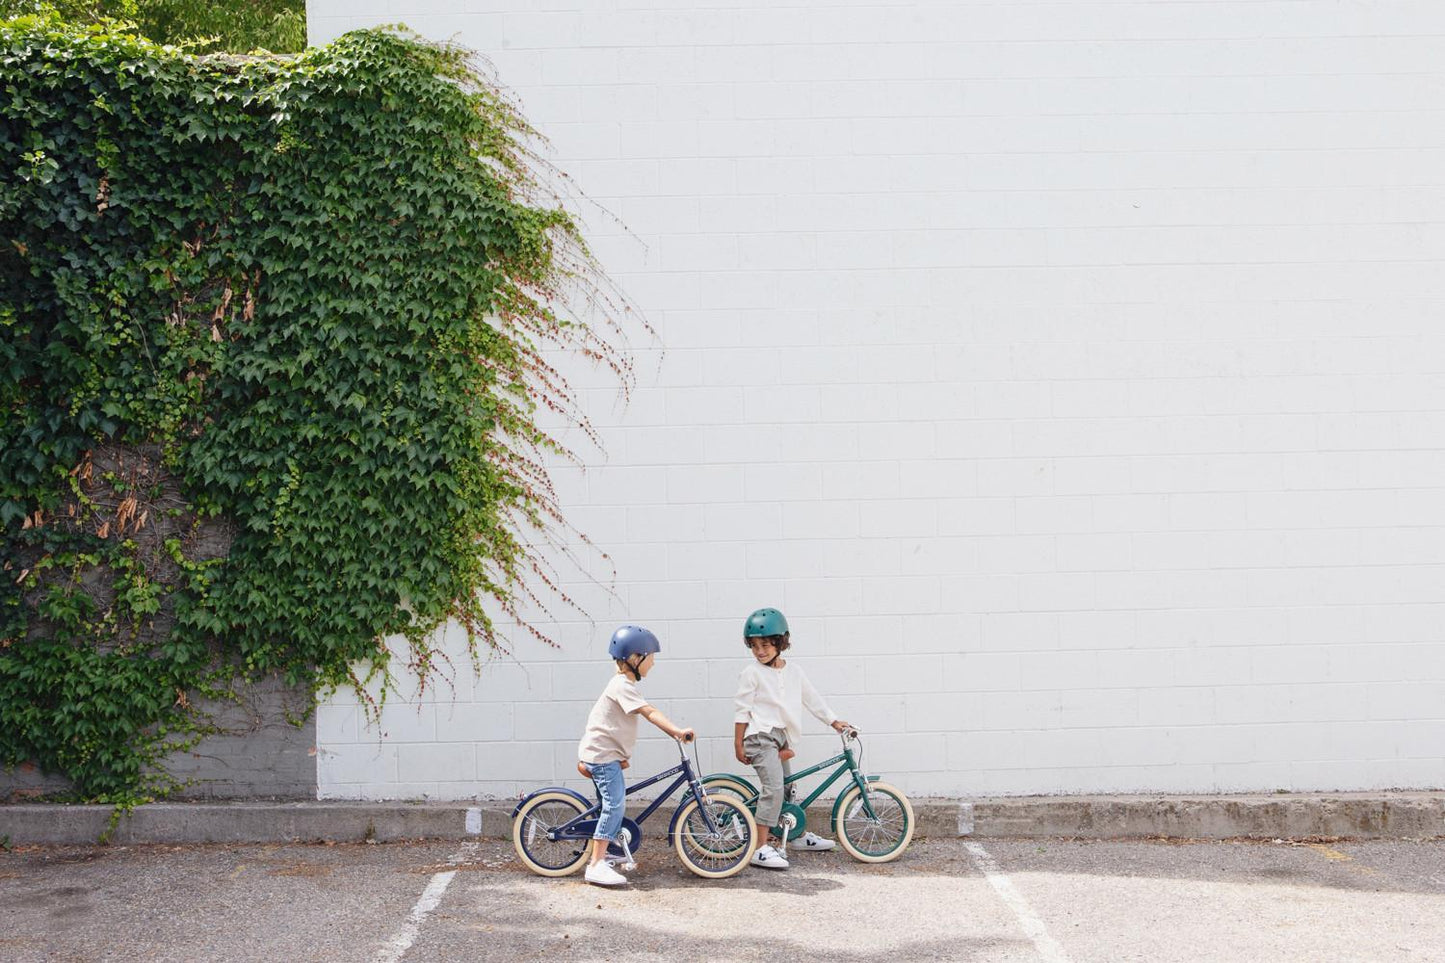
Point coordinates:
pixel 1392 815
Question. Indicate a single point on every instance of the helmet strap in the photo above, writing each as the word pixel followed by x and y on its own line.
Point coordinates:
pixel 632 667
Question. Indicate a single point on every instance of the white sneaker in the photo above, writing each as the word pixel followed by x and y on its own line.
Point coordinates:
pixel 602 874
pixel 769 858
pixel 813 842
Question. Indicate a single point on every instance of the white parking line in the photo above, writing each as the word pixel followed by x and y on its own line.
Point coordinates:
pixel 396 947
pixel 1048 947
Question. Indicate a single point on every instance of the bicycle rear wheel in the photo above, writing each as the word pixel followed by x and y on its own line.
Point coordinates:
pixel 714 855
pixel 537 817
pixel 726 784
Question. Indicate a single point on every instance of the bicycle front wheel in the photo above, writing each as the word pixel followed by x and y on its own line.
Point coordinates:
pixel 880 837
pixel 714 855
pixel 539 816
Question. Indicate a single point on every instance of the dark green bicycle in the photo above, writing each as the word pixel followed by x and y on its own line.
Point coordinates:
pixel 872 820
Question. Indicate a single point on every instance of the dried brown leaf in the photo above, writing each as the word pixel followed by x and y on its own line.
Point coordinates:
pixel 225 304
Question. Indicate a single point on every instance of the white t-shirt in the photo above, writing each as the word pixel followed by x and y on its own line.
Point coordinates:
pixel 612 723
pixel 771 698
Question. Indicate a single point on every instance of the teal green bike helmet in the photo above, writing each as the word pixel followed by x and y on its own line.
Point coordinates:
pixel 767 623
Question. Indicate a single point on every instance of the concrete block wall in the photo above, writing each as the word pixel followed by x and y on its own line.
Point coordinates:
pixel 265 749
pixel 259 753
pixel 1071 373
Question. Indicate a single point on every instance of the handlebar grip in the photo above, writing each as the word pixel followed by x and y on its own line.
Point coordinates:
pixel 850 733
pixel 687 737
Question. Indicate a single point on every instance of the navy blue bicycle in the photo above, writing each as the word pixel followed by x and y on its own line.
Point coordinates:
pixel 713 834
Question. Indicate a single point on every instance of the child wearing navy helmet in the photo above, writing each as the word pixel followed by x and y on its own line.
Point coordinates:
pixel 611 734
pixel 772 694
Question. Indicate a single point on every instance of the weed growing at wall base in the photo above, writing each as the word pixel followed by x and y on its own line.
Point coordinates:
pixel 272 352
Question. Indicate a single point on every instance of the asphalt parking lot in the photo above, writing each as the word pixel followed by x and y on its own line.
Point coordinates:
pixel 945 899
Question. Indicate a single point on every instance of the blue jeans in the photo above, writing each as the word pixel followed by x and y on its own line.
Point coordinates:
pixel 612 790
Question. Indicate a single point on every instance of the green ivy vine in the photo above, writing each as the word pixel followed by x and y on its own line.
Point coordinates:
pixel 272 336
pixel 200 25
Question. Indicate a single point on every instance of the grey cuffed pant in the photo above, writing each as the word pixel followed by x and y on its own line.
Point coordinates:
pixel 762 750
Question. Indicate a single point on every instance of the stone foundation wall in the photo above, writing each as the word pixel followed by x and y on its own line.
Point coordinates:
pixel 260 755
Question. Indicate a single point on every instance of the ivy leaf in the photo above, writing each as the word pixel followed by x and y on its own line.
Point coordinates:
pixel 332 357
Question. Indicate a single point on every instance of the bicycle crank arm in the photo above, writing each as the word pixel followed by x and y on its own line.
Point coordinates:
pixel 626 861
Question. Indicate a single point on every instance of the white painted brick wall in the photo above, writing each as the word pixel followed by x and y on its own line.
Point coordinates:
pixel 1070 372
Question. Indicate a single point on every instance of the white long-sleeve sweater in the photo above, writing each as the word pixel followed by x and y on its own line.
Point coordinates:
pixel 775 698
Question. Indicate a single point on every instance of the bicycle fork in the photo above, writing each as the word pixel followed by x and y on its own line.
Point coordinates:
pixel 862 802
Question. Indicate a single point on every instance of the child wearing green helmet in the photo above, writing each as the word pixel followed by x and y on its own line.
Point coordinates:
pixel 767 723
pixel 611 734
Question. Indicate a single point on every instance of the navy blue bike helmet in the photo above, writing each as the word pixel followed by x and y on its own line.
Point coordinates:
pixel 630 640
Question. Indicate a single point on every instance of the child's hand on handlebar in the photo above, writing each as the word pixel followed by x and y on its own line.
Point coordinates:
pixel 686 735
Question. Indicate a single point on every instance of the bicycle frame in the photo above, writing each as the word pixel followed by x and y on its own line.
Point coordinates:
pixel 846 764
pixel 685 776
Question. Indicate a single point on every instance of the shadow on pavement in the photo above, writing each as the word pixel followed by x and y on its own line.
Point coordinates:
pixel 514 932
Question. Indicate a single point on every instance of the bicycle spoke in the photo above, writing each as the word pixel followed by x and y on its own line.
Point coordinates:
pixel 552 853
pixel 714 851
pixel 880 834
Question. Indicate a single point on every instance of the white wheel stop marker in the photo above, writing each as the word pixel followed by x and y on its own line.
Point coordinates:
pixel 396 947
pixel 1049 949
pixel 965 818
